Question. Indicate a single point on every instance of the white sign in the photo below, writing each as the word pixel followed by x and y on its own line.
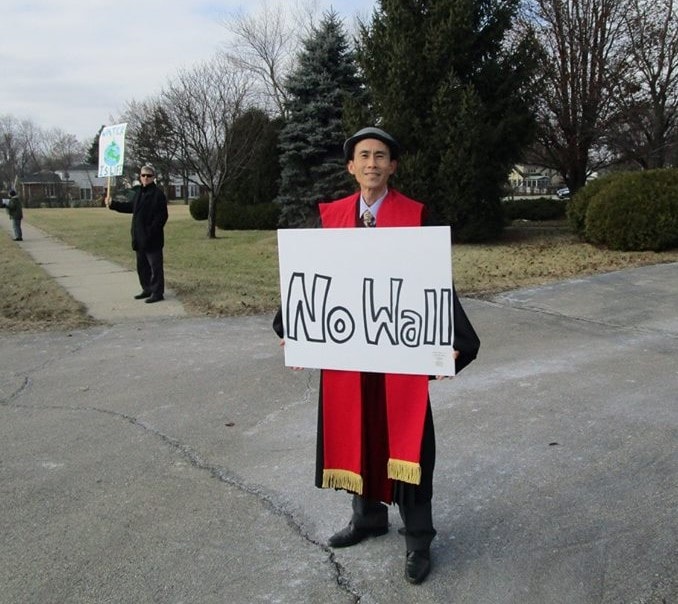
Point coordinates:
pixel 368 299
pixel 112 150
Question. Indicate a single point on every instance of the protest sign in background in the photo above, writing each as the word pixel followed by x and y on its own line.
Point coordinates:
pixel 112 150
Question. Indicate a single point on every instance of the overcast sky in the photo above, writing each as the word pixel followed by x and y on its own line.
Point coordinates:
pixel 73 64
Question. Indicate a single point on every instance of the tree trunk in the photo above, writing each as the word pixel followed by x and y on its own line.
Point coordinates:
pixel 212 217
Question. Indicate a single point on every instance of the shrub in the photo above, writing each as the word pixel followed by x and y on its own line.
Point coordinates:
pixel 539 208
pixel 579 204
pixel 636 211
pixel 260 216
pixel 199 208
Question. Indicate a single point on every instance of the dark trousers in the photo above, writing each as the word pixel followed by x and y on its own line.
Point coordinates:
pixel 414 501
pixel 16 225
pixel 151 272
pixel 416 517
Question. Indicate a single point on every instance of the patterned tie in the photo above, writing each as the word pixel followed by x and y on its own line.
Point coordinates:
pixel 368 219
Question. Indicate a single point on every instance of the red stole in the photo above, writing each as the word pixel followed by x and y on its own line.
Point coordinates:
pixel 406 395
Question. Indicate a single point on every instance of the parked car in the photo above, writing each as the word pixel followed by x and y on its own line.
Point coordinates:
pixel 563 193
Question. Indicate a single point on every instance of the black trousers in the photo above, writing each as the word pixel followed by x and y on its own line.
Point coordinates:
pixel 414 501
pixel 151 272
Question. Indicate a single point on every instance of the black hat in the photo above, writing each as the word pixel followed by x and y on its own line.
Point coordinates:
pixel 371 132
pixel 12 193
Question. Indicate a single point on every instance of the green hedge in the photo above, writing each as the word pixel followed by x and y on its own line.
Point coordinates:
pixel 259 217
pixel 230 216
pixel 199 208
pixel 579 204
pixel 538 208
pixel 635 211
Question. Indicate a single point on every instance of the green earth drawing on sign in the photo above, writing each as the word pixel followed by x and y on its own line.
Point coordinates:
pixel 112 154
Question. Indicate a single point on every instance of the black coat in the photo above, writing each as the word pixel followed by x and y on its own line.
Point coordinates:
pixel 149 215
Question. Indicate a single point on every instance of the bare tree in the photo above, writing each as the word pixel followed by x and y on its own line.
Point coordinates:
pixel 61 150
pixel 151 138
pixel 20 142
pixel 581 65
pixel 202 106
pixel 647 101
pixel 266 45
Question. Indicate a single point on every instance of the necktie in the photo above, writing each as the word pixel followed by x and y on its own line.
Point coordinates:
pixel 368 219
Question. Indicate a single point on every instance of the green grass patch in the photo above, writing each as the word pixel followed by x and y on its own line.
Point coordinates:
pixel 30 299
pixel 237 273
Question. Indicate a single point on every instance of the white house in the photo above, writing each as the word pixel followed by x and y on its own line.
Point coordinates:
pixel 83 182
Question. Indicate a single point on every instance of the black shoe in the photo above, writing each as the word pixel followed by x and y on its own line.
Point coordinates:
pixel 19 239
pixel 417 566
pixel 352 534
pixel 154 298
pixel 142 295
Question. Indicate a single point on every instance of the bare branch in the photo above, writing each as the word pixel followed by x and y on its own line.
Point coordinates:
pixel 266 44
pixel 203 105
pixel 582 61
pixel 647 100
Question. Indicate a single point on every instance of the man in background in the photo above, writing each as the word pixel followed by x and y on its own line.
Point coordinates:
pixel 149 216
pixel 16 214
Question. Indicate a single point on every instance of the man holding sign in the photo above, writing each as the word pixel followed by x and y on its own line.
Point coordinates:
pixel 375 430
pixel 149 215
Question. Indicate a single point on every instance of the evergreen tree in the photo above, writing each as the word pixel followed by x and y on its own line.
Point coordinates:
pixel 452 85
pixel 259 180
pixel 312 161
pixel 92 155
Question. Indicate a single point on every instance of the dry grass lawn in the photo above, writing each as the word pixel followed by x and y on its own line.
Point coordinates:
pixel 237 272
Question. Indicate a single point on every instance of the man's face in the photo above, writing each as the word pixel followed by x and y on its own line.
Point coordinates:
pixel 372 164
pixel 146 177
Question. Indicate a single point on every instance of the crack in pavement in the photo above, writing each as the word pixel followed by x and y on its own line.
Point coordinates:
pixel 221 474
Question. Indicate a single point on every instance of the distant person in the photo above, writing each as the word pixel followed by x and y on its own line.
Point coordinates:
pixel 149 215
pixel 16 214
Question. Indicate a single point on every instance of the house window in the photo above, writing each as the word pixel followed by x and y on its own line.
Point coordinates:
pixel 85 194
pixel 177 191
pixel 50 190
pixel 193 190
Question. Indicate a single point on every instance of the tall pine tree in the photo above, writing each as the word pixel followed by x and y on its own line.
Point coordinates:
pixel 312 162
pixel 451 83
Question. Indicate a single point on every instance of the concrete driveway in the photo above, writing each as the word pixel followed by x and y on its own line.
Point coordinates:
pixel 170 459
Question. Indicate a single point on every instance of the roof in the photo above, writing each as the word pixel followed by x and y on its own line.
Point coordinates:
pixel 44 176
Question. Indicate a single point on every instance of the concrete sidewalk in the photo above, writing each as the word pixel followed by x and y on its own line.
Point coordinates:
pixel 105 288
pixel 172 461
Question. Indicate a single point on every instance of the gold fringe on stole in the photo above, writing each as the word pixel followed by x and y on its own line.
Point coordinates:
pixel 343 479
pixel 405 471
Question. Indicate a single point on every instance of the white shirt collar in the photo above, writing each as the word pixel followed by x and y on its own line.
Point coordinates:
pixel 374 208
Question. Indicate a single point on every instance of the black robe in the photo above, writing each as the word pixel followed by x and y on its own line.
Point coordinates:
pixel 466 341
pixel 374 435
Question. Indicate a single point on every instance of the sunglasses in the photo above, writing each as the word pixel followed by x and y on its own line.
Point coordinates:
pixel 147 175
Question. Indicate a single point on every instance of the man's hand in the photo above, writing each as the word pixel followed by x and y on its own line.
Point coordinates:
pixel 455 355
pixel 282 343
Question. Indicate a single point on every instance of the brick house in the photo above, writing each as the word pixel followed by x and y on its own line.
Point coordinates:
pixel 44 187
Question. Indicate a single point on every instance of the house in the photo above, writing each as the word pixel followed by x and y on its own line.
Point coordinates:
pixel 83 184
pixel 78 186
pixel 533 180
pixel 181 188
pixel 44 187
